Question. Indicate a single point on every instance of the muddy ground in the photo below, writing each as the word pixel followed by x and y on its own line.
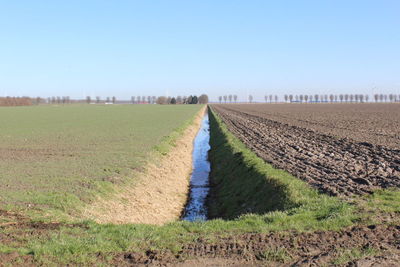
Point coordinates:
pixel 317 151
pixel 379 245
pixel 305 249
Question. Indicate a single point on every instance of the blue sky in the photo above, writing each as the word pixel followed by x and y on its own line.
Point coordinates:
pixel 125 48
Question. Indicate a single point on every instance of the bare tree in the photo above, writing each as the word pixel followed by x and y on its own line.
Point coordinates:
pixel 250 98
pixel 220 99
pixel 381 97
pixel 133 100
pixel 98 99
pixel 88 100
pixel 361 97
pixel 114 99
pixel 366 98
pixel 230 98
pixel 225 98
pixel 270 98
pixel 162 100
pixel 316 97
pixel 301 97
pixel 235 98
pixel 203 99
pixel 266 98
pixel 179 99
pixel 331 97
pixel 276 98
pixel 290 98
pixel 346 98
pixel 286 97
pixel 108 99
pixel 306 98
pixel 356 98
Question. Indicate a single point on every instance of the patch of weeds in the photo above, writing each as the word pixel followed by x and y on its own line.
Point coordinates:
pixel 387 200
pixel 275 255
pixel 346 256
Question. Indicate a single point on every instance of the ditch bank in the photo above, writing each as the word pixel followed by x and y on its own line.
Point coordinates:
pixel 240 182
pixel 160 194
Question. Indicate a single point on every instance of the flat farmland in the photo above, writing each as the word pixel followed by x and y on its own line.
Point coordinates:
pixel 340 149
pixel 55 159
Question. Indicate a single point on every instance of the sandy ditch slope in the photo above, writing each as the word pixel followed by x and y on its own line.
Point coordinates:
pixel 161 193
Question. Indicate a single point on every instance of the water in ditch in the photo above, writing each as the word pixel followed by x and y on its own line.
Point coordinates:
pixel 196 209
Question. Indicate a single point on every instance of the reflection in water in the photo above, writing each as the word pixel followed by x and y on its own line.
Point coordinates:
pixel 196 209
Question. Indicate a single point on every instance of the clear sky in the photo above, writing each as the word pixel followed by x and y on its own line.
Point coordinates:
pixel 125 48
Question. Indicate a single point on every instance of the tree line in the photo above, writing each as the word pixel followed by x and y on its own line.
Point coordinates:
pixel 341 98
pixel 15 101
pixel 202 99
pixel 317 98
pixel 162 100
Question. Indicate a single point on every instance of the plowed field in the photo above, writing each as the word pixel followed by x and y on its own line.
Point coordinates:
pixel 338 149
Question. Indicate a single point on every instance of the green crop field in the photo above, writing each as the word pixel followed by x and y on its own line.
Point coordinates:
pixel 54 159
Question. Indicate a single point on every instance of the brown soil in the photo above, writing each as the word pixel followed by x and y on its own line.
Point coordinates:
pixel 333 163
pixel 376 124
pixel 290 248
pixel 161 193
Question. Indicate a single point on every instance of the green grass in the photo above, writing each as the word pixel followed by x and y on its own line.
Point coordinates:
pixel 385 200
pixel 55 159
pixel 275 255
pixel 346 256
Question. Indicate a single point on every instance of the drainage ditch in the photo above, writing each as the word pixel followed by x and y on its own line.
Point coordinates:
pixel 196 209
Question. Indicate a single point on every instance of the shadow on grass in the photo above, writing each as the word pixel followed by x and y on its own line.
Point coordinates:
pixel 238 183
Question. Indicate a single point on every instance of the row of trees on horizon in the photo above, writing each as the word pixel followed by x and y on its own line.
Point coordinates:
pixel 15 101
pixel 203 99
pixel 317 98
pixel 162 100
